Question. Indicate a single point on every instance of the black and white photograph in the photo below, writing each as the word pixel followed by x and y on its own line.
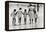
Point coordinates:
pixel 24 15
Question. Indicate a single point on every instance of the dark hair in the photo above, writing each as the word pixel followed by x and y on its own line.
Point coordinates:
pixel 20 8
pixel 14 10
pixel 25 10
pixel 29 10
pixel 34 11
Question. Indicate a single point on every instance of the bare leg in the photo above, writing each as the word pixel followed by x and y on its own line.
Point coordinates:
pixel 14 21
pixel 30 21
pixel 25 20
pixel 20 21
pixel 35 20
